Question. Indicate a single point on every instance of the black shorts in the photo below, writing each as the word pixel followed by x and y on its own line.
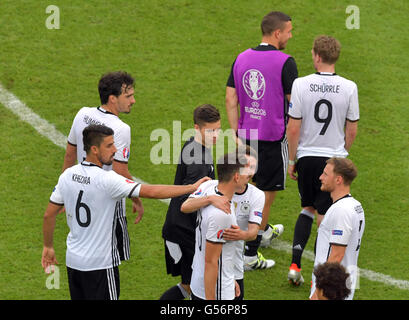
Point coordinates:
pixel 184 266
pixel 272 164
pixel 121 231
pixel 94 285
pixel 309 170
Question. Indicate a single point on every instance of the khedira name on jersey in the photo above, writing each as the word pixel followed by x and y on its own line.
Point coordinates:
pixel 81 179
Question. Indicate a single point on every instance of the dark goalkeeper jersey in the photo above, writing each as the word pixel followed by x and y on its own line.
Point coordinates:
pixel 195 162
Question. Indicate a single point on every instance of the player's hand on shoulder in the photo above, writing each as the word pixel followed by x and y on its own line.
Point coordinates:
pixel 233 233
pixel 199 182
pixel 220 202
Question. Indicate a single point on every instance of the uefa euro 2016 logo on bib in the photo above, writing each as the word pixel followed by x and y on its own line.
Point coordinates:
pixel 254 84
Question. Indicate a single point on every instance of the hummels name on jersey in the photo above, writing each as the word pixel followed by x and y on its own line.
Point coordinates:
pixel 88 120
pixel 81 179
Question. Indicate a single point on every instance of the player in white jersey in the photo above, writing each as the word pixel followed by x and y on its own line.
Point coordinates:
pixel 211 223
pixel 90 196
pixel 248 206
pixel 117 95
pixel 324 114
pixel 213 274
pixel 340 232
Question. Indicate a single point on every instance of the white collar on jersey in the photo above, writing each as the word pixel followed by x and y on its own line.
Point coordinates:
pixel 326 73
pixel 100 108
pixel 89 164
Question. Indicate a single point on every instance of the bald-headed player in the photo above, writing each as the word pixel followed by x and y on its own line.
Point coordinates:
pixel 257 95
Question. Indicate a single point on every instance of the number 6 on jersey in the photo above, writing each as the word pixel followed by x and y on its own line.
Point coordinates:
pixel 80 205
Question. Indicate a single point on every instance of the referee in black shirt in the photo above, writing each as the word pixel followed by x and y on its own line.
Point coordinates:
pixel 179 229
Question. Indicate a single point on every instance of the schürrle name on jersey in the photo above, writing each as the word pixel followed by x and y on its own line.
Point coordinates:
pixel 81 179
pixel 324 88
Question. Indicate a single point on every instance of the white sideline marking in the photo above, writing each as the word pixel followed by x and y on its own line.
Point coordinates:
pixel 368 274
pixel 43 127
pixel 11 102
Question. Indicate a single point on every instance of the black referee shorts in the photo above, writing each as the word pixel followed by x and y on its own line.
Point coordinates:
pixel 272 164
pixel 184 266
pixel 94 285
pixel 309 170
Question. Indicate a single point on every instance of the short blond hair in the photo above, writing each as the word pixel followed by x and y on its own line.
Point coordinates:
pixel 344 168
pixel 328 48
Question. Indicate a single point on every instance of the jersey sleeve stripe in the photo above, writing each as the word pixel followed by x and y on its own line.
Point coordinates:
pixel 295 118
pixel 352 120
pixel 216 242
pixel 73 144
pixel 120 161
pixel 133 189
pixel 338 244
pixel 58 204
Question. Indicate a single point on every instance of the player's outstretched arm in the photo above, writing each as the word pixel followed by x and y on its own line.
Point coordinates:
pixel 137 205
pixel 156 191
pixel 48 257
pixel 194 204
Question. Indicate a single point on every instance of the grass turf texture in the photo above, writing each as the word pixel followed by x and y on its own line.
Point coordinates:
pixel 180 53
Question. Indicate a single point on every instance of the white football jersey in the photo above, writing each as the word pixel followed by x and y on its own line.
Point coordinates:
pixel 344 225
pixel 87 116
pixel 323 101
pixel 248 209
pixel 90 196
pixel 210 225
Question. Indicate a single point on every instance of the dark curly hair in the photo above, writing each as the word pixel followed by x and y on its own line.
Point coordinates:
pixel 112 84
pixel 331 278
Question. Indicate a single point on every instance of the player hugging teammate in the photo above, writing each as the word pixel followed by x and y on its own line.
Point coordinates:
pixel 213 228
